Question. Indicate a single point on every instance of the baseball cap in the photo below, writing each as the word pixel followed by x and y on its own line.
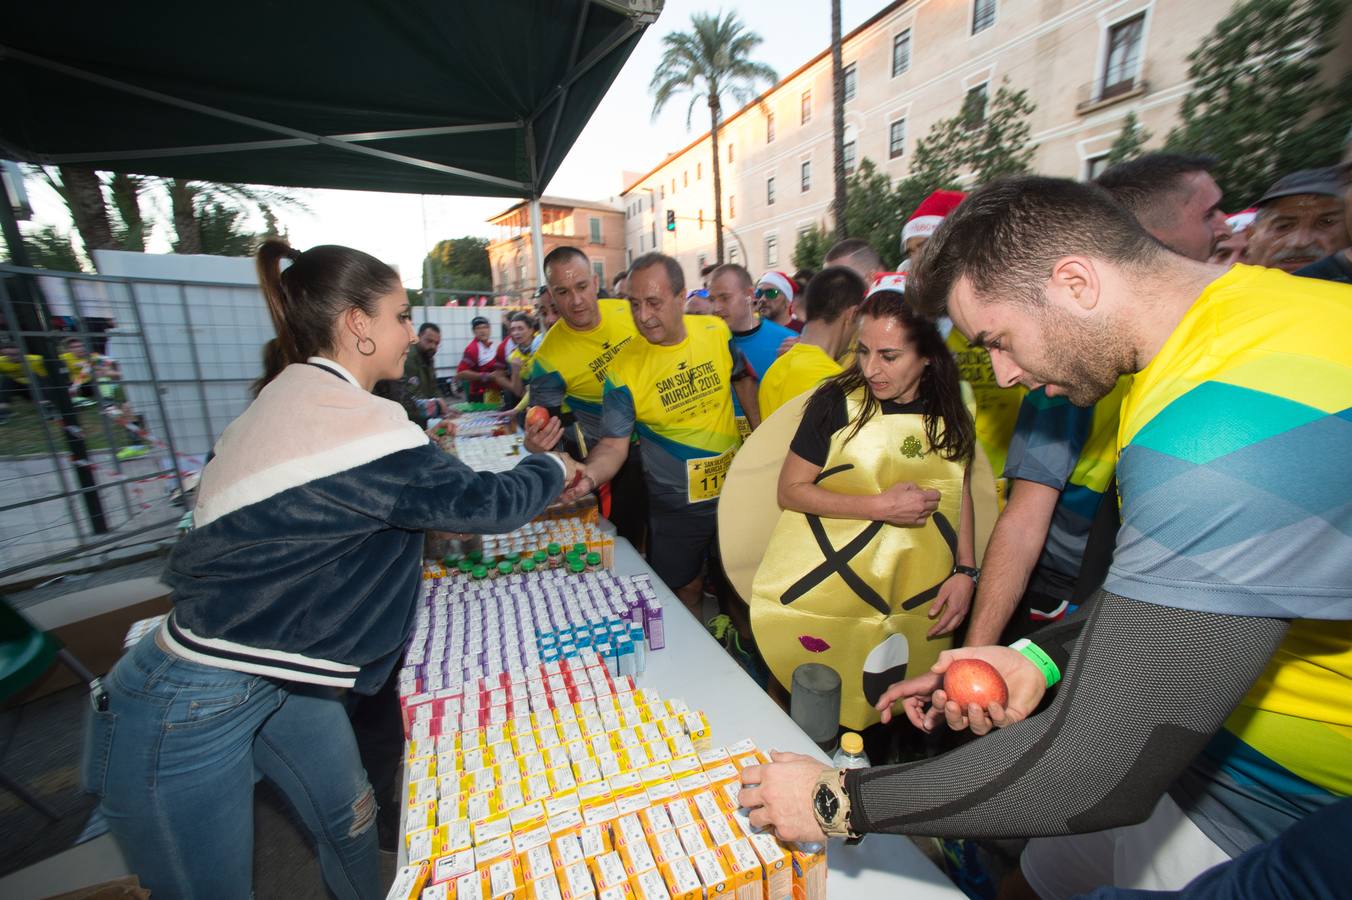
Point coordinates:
pixel 1306 181
pixel 477 321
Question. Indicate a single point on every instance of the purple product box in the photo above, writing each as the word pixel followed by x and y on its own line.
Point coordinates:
pixel 654 626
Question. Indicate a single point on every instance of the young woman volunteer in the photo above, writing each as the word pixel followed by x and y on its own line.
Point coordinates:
pixel 298 581
pixel 872 563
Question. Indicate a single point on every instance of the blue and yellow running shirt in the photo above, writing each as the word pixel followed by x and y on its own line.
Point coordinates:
pixel 997 408
pixel 679 400
pixel 1234 449
pixel 568 370
pixel 1073 450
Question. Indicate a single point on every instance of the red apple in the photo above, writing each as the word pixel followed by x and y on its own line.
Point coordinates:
pixel 537 417
pixel 975 681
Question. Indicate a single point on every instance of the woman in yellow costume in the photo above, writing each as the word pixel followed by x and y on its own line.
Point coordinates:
pixel 872 563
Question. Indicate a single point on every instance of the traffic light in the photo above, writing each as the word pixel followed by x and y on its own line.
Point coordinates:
pixel 671 220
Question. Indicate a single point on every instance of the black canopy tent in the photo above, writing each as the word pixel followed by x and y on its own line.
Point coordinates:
pixel 468 97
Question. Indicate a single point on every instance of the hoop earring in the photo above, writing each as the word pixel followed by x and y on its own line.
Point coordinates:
pixel 366 340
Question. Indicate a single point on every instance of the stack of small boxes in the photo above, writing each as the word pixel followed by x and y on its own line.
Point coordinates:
pixel 467 630
pixel 590 790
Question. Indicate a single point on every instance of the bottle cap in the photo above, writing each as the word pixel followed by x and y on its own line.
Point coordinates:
pixel 852 743
pixel 504 568
pixel 576 565
pixel 528 565
pixel 480 572
pixel 580 549
pixel 593 559
pixel 540 556
pixel 555 549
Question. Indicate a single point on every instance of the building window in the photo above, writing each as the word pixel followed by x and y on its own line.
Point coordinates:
pixel 850 150
pixel 661 193
pixel 769 128
pixel 733 255
pixel 901 53
pixel 730 153
pixel 701 220
pixel 732 206
pixel 701 261
pixel 594 230
pixel 1094 166
pixel 599 269
pixel 1123 63
pixel 805 175
pixel 770 191
pixel 685 178
pixel 974 105
pixel 851 82
pixel 805 107
pixel 896 139
pixel 640 244
pixel 771 250
pixel 699 171
pixel 983 15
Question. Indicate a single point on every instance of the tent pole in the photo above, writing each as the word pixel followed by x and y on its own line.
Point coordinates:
pixel 537 241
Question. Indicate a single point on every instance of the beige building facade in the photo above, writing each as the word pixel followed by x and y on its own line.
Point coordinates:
pixel 597 229
pixel 1084 64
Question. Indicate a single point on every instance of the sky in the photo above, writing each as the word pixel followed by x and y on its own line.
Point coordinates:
pixel 620 136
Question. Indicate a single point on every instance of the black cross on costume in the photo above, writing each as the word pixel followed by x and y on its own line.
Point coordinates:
pixel 837 561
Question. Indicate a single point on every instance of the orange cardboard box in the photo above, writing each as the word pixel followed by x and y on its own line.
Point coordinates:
pixel 744 868
pixel 682 881
pixel 713 875
pixel 408 882
pixel 809 875
pixel 777 865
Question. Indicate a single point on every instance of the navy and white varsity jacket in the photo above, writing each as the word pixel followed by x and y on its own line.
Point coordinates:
pixel 304 559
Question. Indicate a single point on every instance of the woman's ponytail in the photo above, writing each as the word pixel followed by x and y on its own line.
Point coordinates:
pixel 270 256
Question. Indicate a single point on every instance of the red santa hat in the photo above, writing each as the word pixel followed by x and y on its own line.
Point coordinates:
pixel 1241 220
pixel 787 286
pixel 929 214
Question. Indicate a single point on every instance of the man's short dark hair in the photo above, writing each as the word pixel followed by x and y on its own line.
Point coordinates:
pixel 704 272
pixel 854 248
pixel 560 255
pixel 1139 184
pixel 743 276
pixel 619 276
pixel 675 277
pixel 428 326
pixel 520 316
pixel 831 292
pixel 1006 236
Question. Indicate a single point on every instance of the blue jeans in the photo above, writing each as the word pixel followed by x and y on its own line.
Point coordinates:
pixel 173 759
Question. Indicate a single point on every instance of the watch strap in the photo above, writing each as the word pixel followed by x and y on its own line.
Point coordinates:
pixel 839 824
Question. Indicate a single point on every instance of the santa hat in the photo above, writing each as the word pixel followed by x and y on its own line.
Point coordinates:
pixel 1241 220
pixel 786 285
pixel 929 214
pixel 888 281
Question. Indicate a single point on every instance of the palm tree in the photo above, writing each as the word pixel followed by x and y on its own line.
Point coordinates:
pixel 837 123
pixel 710 60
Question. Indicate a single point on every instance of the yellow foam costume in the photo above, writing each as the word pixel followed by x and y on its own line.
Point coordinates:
pixel 854 594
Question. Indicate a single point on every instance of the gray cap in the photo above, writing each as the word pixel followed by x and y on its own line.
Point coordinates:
pixel 1306 181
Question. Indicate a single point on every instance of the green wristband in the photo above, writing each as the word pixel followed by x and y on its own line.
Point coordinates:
pixel 1034 654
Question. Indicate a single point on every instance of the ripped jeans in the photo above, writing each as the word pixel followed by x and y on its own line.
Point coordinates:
pixel 173 758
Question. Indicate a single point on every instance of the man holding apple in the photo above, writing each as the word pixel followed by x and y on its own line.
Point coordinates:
pixel 1205 694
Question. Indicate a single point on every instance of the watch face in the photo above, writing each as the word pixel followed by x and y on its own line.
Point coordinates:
pixel 826 803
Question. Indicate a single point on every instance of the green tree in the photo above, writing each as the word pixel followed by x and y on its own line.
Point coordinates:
pixel 1130 142
pixel 811 248
pixel 459 264
pixel 193 203
pixel 222 233
pixel 840 188
pixel 872 213
pixel 48 248
pixel 707 62
pixel 1257 102
pixel 997 143
pixel 130 228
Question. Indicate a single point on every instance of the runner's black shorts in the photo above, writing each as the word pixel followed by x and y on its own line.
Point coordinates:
pixel 679 541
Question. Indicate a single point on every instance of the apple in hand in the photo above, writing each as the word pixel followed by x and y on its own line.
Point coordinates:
pixel 537 417
pixel 969 681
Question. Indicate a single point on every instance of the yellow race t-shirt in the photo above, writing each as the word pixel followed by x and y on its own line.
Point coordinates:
pixel 569 368
pixel 679 401
pixel 800 369
pixel 1234 445
pixel 997 408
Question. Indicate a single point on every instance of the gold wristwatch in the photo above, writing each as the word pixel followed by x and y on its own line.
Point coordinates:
pixel 831 804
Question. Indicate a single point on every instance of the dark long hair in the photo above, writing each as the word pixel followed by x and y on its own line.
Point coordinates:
pixel 948 424
pixel 306 299
pixel 274 361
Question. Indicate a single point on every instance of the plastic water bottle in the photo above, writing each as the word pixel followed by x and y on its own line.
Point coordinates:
pixel 850 754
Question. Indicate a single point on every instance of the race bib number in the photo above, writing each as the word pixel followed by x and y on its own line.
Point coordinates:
pixel 704 477
pixel 744 427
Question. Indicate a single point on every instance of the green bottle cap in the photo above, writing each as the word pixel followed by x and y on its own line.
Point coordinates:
pixel 504 568
pixel 576 566
pixel 555 549
pixel 593 559
pixel 476 556
pixel 450 560
pixel 465 566
pixel 480 572
pixel 580 549
pixel 527 566
pixel 540 556
pixel 514 557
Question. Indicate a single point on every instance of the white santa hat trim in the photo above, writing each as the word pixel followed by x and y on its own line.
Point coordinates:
pixel 778 280
pixel 920 226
